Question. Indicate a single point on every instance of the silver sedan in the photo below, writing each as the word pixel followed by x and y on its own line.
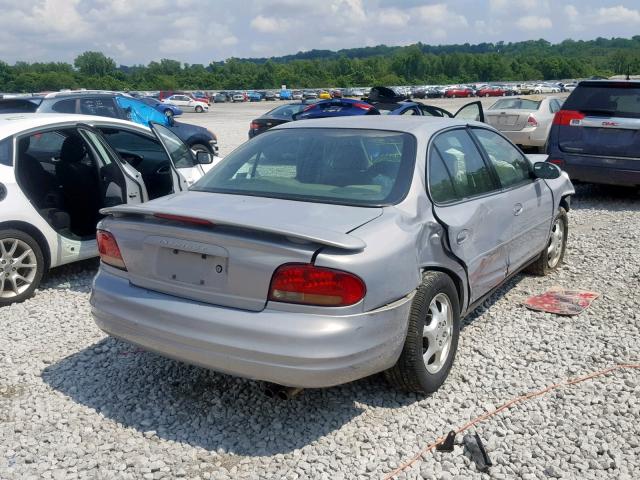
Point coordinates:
pixel 524 121
pixel 324 251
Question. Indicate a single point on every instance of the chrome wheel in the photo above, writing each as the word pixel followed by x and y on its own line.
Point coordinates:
pixel 556 242
pixel 18 267
pixel 437 333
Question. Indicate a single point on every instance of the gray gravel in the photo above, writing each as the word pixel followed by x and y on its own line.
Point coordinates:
pixel 76 404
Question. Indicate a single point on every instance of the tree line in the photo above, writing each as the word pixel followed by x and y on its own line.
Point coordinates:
pixel 416 64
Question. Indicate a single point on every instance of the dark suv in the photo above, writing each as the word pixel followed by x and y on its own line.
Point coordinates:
pixel 596 135
pixel 115 105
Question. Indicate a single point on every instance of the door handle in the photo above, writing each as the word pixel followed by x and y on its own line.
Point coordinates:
pixel 517 209
pixel 133 195
pixel 462 236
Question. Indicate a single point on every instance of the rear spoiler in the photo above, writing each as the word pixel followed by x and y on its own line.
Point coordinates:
pixel 329 238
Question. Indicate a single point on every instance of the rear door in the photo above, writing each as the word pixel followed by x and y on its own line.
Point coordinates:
pixel 469 203
pixel 601 119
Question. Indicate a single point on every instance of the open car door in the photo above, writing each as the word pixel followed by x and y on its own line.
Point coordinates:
pixel 184 169
pixel 119 182
pixel 471 111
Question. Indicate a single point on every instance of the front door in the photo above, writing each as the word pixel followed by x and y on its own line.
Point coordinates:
pixel 469 203
pixel 530 199
pixel 185 170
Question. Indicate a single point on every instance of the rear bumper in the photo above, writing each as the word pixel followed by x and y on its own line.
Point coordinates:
pixel 294 349
pixel 602 170
pixel 529 136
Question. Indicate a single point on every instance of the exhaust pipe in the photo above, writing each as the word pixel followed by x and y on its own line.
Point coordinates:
pixel 273 390
pixel 287 393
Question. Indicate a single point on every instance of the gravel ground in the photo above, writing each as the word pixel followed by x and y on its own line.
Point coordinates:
pixel 77 404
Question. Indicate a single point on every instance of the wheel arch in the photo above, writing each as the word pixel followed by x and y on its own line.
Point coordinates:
pixel 457 281
pixel 35 233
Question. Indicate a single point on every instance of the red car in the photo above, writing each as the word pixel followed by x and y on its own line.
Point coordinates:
pixel 492 92
pixel 458 92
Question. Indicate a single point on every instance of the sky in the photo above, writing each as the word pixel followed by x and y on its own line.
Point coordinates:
pixel 192 31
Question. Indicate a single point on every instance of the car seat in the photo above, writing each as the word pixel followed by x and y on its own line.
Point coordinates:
pixel 36 182
pixel 345 167
pixel 78 176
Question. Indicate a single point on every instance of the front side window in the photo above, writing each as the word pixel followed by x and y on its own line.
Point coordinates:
pixel 511 166
pixel 345 166
pixel 469 173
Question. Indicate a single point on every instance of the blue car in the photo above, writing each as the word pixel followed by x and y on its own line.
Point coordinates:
pixel 595 138
pixel 254 96
pixel 286 94
pixel 336 107
pixel 166 108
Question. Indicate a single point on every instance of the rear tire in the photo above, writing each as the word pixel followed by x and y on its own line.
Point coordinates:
pixel 432 337
pixel 553 254
pixel 21 266
pixel 168 113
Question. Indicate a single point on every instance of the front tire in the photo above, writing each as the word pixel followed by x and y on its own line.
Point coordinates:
pixel 21 266
pixel 199 109
pixel 168 113
pixel 553 254
pixel 432 337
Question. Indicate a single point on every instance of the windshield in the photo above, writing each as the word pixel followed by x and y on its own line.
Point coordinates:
pixel 516 104
pixel 618 99
pixel 345 166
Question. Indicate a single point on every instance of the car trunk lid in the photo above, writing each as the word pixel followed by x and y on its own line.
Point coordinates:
pixel 509 120
pixel 223 249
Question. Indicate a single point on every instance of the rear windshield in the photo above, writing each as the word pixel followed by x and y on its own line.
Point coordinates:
pixel 617 99
pixel 515 104
pixel 344 166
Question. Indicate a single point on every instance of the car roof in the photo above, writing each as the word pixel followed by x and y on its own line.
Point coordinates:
pixel 418 125
pixel 75 93
pixel 14 123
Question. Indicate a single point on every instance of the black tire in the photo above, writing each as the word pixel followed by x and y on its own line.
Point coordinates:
pixel 199 109
pixel 543 264
pixel 410 371
pixel 168 113
pixel 35 275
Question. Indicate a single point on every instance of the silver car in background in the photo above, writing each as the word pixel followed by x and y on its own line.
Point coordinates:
pixel 524 121
pixel 324 251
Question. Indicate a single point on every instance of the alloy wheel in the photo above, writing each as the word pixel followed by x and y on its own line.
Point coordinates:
pixel 556 241
pixel 18 267
pixel 437 333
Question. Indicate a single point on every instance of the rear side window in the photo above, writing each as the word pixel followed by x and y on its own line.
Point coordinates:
pixel 440 183
pixel 469 173
pixel 102 107
pixel 6 157
pixel 617 99
pixel 65 106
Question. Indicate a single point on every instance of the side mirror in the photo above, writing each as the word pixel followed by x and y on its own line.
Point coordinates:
pixel 546 170
pixel 204 158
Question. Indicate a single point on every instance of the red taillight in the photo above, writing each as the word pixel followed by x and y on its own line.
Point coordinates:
pixel 109 250
pixel 556 161
pixel 362 106
pixel 311 285
pixel 532 122
pixel 182 219
pixel 310 107
pixel 254 126
pixel 568 117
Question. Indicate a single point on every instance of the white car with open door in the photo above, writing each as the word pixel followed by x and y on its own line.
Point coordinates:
pixel 58 171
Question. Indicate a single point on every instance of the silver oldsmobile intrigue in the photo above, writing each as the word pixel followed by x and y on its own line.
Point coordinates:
pixel 323 251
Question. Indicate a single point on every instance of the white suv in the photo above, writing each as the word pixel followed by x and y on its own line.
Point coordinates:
pixel 58 171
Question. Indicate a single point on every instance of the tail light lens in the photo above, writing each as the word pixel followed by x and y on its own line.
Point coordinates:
pixel 254 126
pixel 568 117
pixel 556 161
pixel 362 106
pixel 532 122
pixel 109 250
pixel 310 285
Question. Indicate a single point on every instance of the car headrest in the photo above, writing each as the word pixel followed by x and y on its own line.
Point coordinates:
pixel 73 149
